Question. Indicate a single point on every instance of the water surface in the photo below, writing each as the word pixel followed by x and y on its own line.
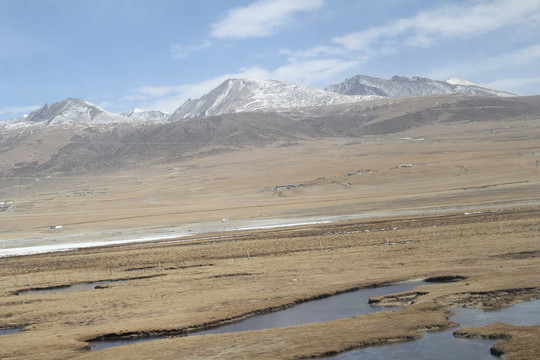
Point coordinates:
pixel 444 345
pixel 8 331
pixel 330 308
pixel 75 287
pixel 334 307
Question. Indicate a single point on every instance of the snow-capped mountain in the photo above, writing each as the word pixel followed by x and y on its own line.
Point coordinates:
pixel 70 111
pixel 252 95
pixel 146 115
pixel 256 95
pixel 399 86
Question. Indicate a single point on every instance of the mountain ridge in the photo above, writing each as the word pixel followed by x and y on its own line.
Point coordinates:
pixel 70 111
pixel 400 86
pixel 98 149
pixel 252 95
pixel 258 95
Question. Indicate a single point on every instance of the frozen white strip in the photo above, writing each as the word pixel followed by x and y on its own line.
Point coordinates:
pixel 176 234
pixel 40 249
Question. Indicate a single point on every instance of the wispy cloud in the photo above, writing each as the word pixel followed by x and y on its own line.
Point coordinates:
pixel 529 54
pixel 514 83
pixel 311 71
pixel 431 26
pixel 181 51
pixel 261 19
pixel 505 61
pixel 17 111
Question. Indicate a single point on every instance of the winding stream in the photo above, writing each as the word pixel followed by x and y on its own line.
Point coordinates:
pixel 67 288
pixel 9 331
pixel 443 345
pixel 90 285
pixel 330 308
pixel 327 309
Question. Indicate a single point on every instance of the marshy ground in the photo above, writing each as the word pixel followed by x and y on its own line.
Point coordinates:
pixel 178 287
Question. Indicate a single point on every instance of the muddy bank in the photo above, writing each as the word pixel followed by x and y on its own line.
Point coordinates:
pixel 517 342
pixel 93 285
pixel 491 300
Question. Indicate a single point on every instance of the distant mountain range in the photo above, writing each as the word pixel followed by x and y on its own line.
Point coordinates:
pixel 76 112
pixel 399 86
pixel 68 150
pixel 68 112
pixel 252 95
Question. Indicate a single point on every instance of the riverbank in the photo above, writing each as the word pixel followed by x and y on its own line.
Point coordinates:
pixel 205 282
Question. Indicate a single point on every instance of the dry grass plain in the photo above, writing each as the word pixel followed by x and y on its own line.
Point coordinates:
pixel 412 188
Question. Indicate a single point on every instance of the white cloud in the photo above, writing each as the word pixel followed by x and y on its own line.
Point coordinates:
pixel 180 51
pixel 261 19
pixel 155 91
pixel 451 21
pixel 306 72
pixel 507 61
pixel 18 110
pixel 518 57
pixel 430 26
pixel 513 83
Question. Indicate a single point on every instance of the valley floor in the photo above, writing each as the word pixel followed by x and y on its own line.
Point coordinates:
pixel 442 201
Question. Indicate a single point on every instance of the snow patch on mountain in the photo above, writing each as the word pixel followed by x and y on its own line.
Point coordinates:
pixel 458 81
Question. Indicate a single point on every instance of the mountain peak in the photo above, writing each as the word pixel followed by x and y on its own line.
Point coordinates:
pixel 258 95
pixel 72 111
pixel 458 81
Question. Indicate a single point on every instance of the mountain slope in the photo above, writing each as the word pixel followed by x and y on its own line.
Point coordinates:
pixel 399 86
pixel 256 95
pixel 146 115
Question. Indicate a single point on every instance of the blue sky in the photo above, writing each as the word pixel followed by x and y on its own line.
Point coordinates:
pixel 155 54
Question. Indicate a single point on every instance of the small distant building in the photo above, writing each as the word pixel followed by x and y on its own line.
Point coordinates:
pixel 284 187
